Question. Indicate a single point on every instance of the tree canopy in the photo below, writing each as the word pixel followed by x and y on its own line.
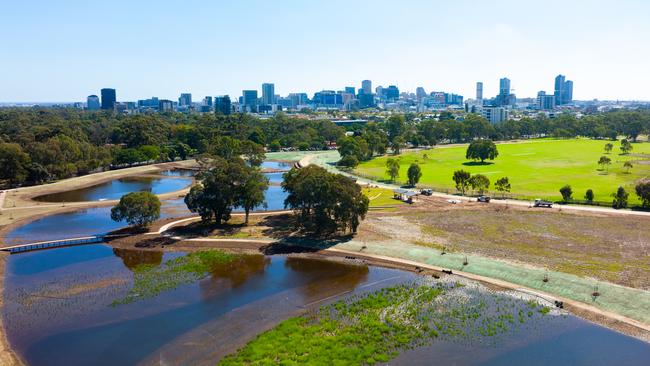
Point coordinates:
pixel 137 209
pixel 325 202
pixel 482 150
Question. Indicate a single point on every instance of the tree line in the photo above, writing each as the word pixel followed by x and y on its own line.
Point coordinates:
pixel 38 145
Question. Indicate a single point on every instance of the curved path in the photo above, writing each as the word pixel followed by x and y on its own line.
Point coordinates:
pixel 312 159
pixel 195 218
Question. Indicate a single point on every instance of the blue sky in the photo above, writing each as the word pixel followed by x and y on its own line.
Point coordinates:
pixel 66 50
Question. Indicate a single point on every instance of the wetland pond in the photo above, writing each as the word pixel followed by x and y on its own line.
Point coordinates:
pixel 60 310
pixel 114 189
pixel 96 221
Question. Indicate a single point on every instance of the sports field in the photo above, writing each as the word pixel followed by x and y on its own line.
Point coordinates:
pixel 536 168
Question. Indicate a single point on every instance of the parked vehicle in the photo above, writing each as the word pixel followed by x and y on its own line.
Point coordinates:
pixel 542 203
pixel 426 192
pixel 485 199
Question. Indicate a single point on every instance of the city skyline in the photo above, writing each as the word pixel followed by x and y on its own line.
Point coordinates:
pixel 64 52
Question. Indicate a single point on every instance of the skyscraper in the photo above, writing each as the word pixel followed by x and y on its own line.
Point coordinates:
pixel 92 103
pixel 249 100
pixel 351 90
pixel 504 86
pixel 479 90
pixel 108 98
pixel 563 90
pixel 185 100
pixel 222 105
pixel 545 101
pixel 366 87
pixel 420 93
pixel 268 93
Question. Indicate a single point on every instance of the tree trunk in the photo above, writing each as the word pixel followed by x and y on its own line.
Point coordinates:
pixel 246 219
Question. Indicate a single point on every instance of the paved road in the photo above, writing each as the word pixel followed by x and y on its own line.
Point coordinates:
pixel 363 181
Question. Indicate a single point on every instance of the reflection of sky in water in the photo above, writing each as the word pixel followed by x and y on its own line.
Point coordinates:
pixel 117 188
pixel 94 221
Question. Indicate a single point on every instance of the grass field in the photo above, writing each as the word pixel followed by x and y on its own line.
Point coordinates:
pixel 381 197
pixel 536 168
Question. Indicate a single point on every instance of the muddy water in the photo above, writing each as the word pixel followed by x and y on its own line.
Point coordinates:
pixel 117 188
pixel 57 305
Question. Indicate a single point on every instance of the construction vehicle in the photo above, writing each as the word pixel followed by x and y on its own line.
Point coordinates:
pixel 542 203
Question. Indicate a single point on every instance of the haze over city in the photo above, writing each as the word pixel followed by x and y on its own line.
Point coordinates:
pixel 55 52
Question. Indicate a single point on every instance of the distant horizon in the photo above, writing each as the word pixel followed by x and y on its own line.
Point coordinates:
pixel 67 51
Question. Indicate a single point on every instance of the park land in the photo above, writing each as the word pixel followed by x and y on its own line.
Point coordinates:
pixel 535 168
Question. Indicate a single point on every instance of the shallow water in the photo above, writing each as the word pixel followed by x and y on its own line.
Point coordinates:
pixel 56 305
pixel 280 165
pixel 57 313
pixel 96 221
pixel 117 188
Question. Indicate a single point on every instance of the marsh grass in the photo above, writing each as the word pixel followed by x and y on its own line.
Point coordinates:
pixel 151 280
pixel 375 327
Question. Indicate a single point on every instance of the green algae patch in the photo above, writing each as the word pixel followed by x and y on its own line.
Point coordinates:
pixel 152 280
pixel 375 327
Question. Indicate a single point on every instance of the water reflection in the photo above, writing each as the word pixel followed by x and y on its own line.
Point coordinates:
pixel 117 188
pixel 133 257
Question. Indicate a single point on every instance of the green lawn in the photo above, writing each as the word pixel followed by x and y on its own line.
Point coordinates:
pixel 536 168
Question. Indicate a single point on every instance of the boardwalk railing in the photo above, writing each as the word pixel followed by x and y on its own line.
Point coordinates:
pixel 21 248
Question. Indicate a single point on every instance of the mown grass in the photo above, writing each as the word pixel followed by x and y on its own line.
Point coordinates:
pixel 536 168
pixel 381 197
pixel 374 328
pixel 151 280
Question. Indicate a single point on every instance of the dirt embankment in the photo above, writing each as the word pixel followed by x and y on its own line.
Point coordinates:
pixel 19 206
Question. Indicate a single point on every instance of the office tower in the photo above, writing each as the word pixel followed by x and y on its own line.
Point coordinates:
pixel 298 99
pixel 366 87
pixel 391 93
pixel 379 92
pixel 249 100
pixel 420 93
pixel 185 100
pixel 545 101
pixel 351 90
pixel 92 103
pixel 567 92
pixel 207 101
pixel 268 93
pixel 165 105
pixel 479 90
pixel 504 86
pixel 108 98
pixel 563 90
pixel 222 105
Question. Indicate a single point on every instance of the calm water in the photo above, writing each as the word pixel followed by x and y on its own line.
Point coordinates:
pixel 56 313
pixel 280 165
pixel 56 305
pixel 117 188
pixel 95 221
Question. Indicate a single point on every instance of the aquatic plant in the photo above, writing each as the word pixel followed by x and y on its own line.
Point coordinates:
pixel 151 280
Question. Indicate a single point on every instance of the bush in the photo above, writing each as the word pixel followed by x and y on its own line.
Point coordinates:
pixel 589 196
pixel 567 193
pixel 349 161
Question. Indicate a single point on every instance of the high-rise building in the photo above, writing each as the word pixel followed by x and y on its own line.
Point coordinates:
pixel 351 90
pixel 479 90
pixel 563 90
pixel 249 100
pixel 268 93
pixel 298 99
pixel 366 87
pixel 108 98
pixel 207 101
pixel 93 103
pixel 185 100
pixel 391 93
pixel 505 97
pixel 545 101
pixel 504 86
pixel 420 93
pixel 567 92
pixel 165 105
pixel 494 114
pixel 222 105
